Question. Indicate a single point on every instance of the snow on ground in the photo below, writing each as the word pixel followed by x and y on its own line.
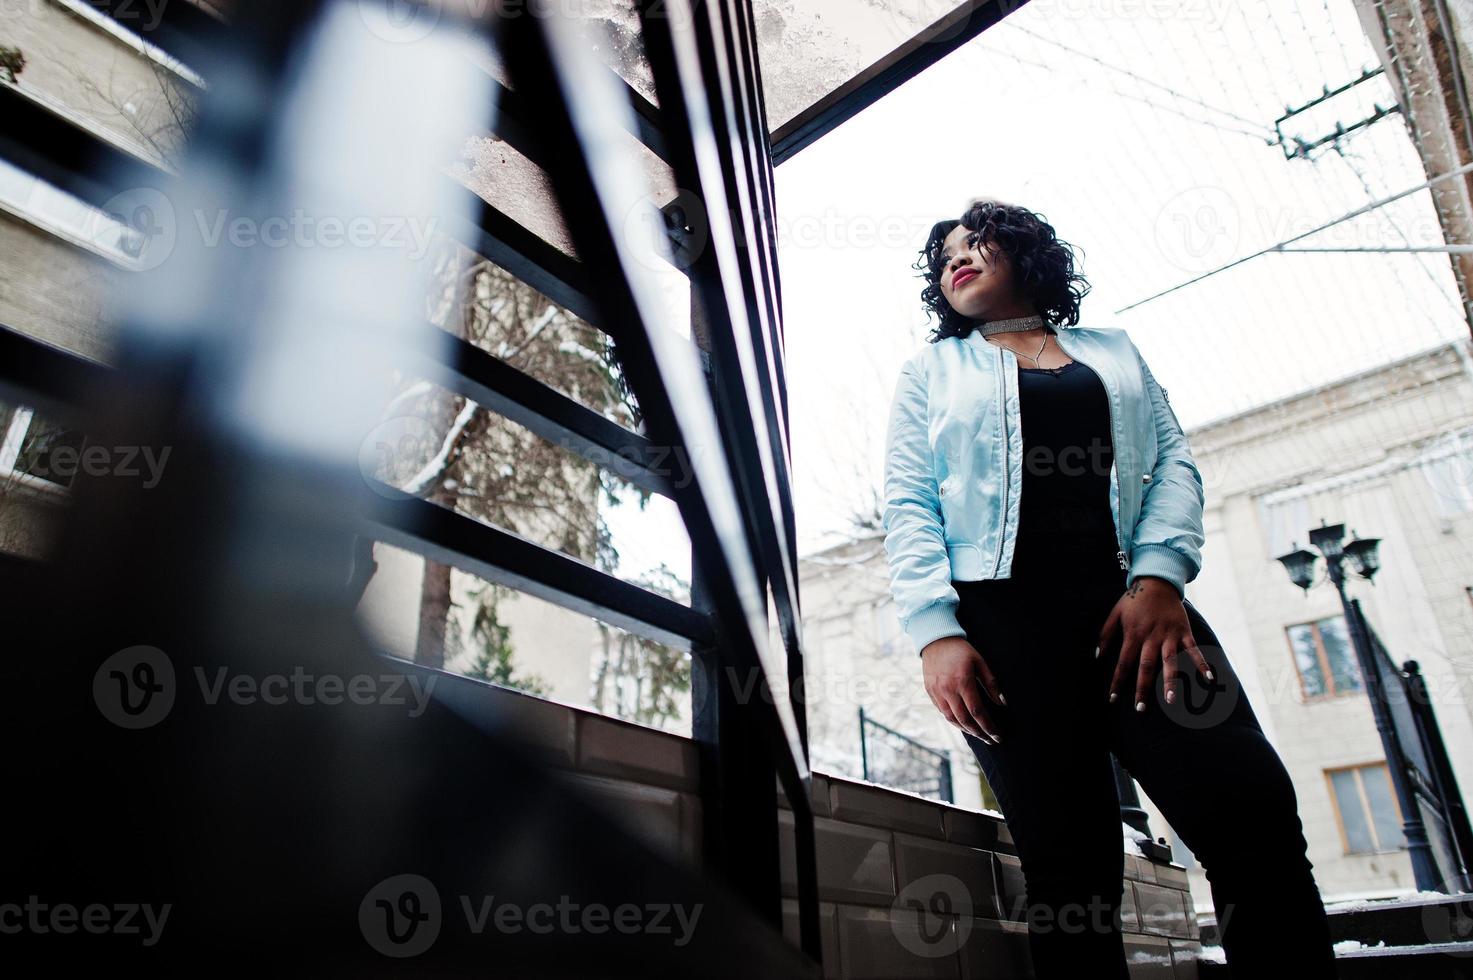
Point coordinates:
pixel 1356 904
pixel 1133 838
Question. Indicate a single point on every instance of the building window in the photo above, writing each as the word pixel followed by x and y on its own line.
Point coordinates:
pixel 1324 657
pixel 69 218
pixel 37 451
pixel 1366 809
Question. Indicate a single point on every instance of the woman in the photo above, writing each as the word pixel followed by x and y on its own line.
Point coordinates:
pixel 1043 515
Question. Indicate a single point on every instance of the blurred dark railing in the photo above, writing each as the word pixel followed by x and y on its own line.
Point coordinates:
pixel 256 369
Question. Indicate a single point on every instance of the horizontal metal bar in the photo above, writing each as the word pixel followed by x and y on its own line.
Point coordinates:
pixel 42 140
pixel 184 29
pixel 56 381
pixel 498 386
pixel 649 122
pixel 1280 246
pixel 1387 249
pixel 1295 147
pixel 950 32
pixel 538 263
pixel 42 376
pixel 1329 93
pixel 65 153
pixel 509 559
pixel 515 122
pixel 547 61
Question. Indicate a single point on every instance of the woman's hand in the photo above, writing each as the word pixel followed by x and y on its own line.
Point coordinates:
pixel 1155 629
pixel 956 675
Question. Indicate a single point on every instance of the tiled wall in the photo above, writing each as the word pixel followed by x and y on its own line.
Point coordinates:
pixel 878 851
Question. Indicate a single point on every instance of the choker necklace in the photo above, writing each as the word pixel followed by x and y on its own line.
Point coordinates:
pixel 1010 325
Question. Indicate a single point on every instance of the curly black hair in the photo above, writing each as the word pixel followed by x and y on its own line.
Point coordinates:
pixel 1042 264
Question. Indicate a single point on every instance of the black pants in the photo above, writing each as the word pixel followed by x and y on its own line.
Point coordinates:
pixel 1204 761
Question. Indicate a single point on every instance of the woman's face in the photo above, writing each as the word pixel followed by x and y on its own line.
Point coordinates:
pixel 975 277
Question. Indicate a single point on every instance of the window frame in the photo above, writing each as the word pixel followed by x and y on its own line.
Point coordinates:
pixel 1358 769
pixel 1323 659
pixel 16 427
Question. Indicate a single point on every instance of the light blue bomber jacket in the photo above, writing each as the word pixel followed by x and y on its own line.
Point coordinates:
pixel 954 472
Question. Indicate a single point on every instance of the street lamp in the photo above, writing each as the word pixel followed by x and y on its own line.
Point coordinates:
pixel 1360 552
pixel 1360 555
pixel 1363 556
pixel 1300 565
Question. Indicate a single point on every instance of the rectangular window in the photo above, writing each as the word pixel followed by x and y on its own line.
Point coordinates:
pixel 1366 809
pixel 71 218
pixel 29 448
pixel 1324 657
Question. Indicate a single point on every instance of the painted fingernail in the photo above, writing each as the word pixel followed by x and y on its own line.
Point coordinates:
pixel 1170 697
pixel 1113 696
pixel 1097 653
pixel 1001 699
pixel 1210 676
pixel 1140 706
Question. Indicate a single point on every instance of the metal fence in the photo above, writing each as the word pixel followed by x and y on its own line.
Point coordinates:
pixel 899 761
pixel 1434 817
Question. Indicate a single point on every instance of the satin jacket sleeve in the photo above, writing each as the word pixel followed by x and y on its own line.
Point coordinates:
pixel 915 539
pixel 1168 537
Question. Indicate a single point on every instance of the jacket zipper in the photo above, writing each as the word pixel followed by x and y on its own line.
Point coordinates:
pixel 1120 556
pixel 1007 470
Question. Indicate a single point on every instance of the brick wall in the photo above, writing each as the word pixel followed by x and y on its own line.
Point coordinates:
pixel 878 850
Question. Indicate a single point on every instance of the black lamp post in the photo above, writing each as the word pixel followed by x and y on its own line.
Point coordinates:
pixel 1360 555
pixel 1360 552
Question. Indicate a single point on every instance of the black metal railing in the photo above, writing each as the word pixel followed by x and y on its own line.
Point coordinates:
pixel 240 559
pixel 894 759
pixel 1434 817
pixel 725 411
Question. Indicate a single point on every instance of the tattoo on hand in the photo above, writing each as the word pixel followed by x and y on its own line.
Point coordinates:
pixel 1135 588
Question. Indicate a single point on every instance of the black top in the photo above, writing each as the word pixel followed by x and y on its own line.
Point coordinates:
pixel 1067 455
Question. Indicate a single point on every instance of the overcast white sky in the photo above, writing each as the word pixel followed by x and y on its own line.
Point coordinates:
pixel 1139 130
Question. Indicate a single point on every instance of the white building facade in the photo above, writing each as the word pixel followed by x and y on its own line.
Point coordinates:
pixel 1389 453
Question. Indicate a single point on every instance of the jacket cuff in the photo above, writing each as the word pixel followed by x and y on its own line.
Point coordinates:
pixel 932 623
pixel 1161 561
